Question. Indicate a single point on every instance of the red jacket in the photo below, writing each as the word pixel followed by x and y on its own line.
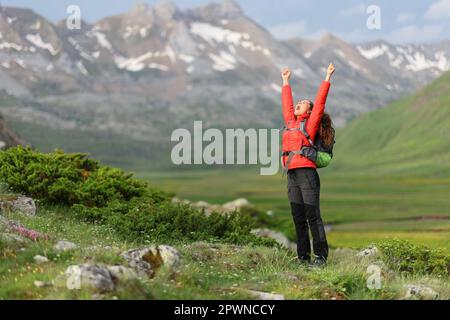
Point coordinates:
pixel 294 140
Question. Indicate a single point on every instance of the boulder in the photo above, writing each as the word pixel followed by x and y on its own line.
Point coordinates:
pixel 12 239
pixel 420 292
pixel 40 259
pixel 368 252
pixel 64 245
pixel 24 205
pixel 90 276
pixel 145 261
pixel 236 205
pixel 277 236
pixel 121 273
pixel 19 204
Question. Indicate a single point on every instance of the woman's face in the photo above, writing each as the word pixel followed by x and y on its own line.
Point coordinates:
pixel 302 107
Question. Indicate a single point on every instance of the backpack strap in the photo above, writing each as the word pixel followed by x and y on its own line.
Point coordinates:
pixel 291 154
pixel 303 130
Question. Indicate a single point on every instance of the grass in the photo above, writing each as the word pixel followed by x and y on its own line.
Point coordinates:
pixel 208 271
pixel 359 207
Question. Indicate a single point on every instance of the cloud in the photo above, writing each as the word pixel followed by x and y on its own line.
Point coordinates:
pixel 404 18
pixel 289 30
pixel 359 9
pixel 440 10
pixel 414 34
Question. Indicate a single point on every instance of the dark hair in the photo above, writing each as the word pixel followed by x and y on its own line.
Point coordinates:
pixel 326 130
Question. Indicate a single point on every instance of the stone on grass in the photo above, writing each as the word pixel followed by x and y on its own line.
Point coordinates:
pixel 24 205
pixel 368 252
pixel 64 245
pixel 40 259
pixel 122 273
pixel 277 236
pixel 259 295
pixel 236 205
pixel 12 239
pixel 90 276
pixel 145 261
pixel 420 292
pixel 42 284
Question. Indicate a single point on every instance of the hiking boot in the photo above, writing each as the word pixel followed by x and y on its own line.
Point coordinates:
pixel 304 261
pixel 318 262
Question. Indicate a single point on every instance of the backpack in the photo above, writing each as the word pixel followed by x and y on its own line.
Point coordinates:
pixel 317 152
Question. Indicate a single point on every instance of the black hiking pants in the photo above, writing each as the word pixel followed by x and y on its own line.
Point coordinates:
pixel 304 194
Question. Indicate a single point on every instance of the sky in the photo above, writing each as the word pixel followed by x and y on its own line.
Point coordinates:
pixel 401 21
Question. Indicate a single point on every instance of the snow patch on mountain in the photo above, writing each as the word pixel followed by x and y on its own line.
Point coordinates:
pixel 21 63
pixel 36 40
pixel 374 52
pixel 139 63
pixel 10 20
pixel 418 62
pixel 78 47
pixel 101 39
pixel 186 58
pixel 10 45
pixel 218 35
pixel 36 26
pixel 340 53
pixel 223 62
pixel 82 68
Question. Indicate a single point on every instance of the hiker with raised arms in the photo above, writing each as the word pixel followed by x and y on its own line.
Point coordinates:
pixel 307 144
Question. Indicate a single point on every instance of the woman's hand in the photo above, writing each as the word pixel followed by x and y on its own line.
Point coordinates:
pixel 330 72
pixel 286 74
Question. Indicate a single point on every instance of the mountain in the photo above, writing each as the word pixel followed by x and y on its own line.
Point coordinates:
pixel 7 137
pixel 409 136
pixel 136 76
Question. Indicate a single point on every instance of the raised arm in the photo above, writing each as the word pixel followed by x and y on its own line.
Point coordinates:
pixel 319 104
pixel 286 97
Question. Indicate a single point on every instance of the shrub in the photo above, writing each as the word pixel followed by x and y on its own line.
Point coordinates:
pixel 67 179
pixel 106 195
pixel 410 258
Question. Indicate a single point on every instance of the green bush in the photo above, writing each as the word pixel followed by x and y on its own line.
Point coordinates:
pixel 67 179
pixel 106 195
pixel 410 258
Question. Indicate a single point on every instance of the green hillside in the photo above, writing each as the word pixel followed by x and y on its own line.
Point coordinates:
pixel 409 137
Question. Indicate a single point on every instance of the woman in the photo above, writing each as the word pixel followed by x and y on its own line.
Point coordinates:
pixel 303 180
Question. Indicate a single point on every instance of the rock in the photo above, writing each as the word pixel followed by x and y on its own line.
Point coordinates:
pixel 121 273
pixel 64 245
pixel 145 261
pixel 42 284
pixel 12 239
pixel 236 205
pixel 89 276
pixel 264 295
pixel 3 221
pixel 420 292
pixel 24 205
pixel 101 248
pixel 40 259
pixel 368 252
pixel 277 236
